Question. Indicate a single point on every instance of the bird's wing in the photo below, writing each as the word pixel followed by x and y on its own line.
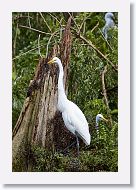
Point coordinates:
pixel 77 113
pixel 76 119
pixel 110 23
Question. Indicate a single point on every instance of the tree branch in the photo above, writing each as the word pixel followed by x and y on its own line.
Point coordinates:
pixel 95 27
pixel 33 29
pixel 14 43
pixel 19 17
pixel 29 21
pixel 39 46
pixel 97 50
pixel 52 35
pixel 105 94
pixel 78 34
pixel 18 56
pixel 105 40
pixel 55 18
pixel 45 22
pixel 81 25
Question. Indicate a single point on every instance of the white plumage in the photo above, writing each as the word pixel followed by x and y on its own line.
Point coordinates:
pixel 75 122
pixel 73 117
pixel 109 23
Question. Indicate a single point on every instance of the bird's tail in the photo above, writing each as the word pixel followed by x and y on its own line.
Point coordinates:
pixel 87 140
pixel 85 137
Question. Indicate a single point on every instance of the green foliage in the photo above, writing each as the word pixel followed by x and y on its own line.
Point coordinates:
pixel 84 84
pixel 101 155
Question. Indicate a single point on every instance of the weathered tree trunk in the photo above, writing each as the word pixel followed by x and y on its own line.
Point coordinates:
pixel 39 122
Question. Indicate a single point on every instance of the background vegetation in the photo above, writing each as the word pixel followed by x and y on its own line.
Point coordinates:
pixel 34 34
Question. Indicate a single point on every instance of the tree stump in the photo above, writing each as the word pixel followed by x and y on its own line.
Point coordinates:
pixel 39 122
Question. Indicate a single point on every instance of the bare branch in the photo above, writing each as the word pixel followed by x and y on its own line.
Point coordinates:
pixel 78 34
pixel 18 56
pixel 19 17
pixel 55 18
pixel 39 46
pixel 97 50
pixel 105 40
pixel 14 43
pixel 95 27
pixel 83 22
pixel 105 94
pixel 29 21
pixel 52 35
pixel 33 29
pixel 45 22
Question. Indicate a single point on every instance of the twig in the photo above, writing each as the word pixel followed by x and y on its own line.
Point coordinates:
pixel 14 44
pixel 105 94
pixel 115 38
pixel 29 20
pixel 61 29
pixel 97 50
pixel 91 44
pixel 39 46
pixel 18 56
pixel 55 18
pixel 84 28
pixel 95 27
pixel 19 17
pixel 45 22
pixel 52 35
pixel 105 40
pixel 33 29
pixel 81 25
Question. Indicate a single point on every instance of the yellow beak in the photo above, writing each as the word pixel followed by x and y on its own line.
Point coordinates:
pixel 105 119
pixel 51 61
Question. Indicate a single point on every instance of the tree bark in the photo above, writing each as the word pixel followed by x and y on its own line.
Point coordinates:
pixel 39 122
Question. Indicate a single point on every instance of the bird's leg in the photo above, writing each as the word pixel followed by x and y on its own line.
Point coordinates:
pixel 69 146
pixel 77 145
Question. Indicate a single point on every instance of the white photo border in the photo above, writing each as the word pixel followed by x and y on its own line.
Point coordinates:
pixel 123 174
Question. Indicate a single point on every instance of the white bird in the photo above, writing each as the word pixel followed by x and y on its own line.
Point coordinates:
pixel 73 117
pixel 99 117
pixel 109 23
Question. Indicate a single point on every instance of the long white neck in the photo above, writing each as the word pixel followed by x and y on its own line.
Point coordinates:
pixel 97 123
pixel 61 92
pixel 60 80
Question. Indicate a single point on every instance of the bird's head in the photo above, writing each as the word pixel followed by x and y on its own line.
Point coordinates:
pixel 109 15
pixel 100 117
pixel 54 60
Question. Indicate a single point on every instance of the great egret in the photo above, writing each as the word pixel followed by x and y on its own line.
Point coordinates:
pixel 109 23
pixel 73 117
pixel 99 117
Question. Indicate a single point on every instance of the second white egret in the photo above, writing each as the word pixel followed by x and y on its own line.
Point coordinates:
pixel 99 117
pixel 109 23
